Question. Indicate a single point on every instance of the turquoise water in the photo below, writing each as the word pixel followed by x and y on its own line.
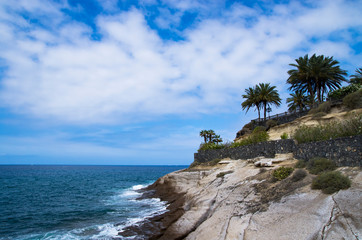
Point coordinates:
pixel 75 202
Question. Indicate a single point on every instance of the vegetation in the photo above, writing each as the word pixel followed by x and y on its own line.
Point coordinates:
pixel 332 130
pixel 259 129
pixel 315 76
pixel 353 100
pixel 252 99
pixel 255 137
pixel 323 107
pixel 210 145
pixel 339 94
pixel 268 95
pixel 330 182
pixel 319 165
pixel 282 172
pixel 298 175
pixel 319 115
pixel 297 101
pixel 357 78
pixel 284 136
pixel 260 96
pixel 271 123
pixel 300 164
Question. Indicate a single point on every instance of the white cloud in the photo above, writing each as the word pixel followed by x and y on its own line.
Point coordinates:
pixel 132 73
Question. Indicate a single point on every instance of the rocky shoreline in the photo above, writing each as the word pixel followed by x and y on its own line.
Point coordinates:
pixel 155 227
pixel 237 200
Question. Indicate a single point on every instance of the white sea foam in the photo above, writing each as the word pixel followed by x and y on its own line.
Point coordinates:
pixel 146 208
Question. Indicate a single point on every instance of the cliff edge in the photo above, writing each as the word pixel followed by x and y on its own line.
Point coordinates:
pixel 237 200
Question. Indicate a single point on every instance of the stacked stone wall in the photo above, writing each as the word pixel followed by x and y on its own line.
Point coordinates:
pixel 344 151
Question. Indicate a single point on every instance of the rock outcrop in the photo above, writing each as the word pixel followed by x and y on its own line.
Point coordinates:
pixel 237 200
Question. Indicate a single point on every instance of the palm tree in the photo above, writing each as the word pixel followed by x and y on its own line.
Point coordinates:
pixel 203 134
pixel 316 75
pixel 300 78
pixel 357 78
pixel 268 95
pixel 210 135
pixel 252 100
pixel 217 139
pixel 297 101
pixel 326 73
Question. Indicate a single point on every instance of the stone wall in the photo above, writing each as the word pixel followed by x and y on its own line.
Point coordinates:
pixel 267 149
pixel 345 151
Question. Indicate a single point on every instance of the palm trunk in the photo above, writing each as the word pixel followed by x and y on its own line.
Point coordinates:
pixel 264 111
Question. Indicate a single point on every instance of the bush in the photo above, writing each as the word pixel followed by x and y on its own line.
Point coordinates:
pixel 298 175
pixel 284 136
pixel 330 182
pixel 323 107
pixel 259 129
pixel 255 137
pixel 300 164
pixel 353 100
pixel 319 115
pixel 318 165
pixel 332 130
pixel 282 172
pixel 211 145
pixel 271 123
pixel 339 94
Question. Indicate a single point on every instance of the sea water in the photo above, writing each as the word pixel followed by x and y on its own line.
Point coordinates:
pixel 75 202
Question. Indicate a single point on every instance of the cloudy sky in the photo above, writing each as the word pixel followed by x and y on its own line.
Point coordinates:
pixel 133 82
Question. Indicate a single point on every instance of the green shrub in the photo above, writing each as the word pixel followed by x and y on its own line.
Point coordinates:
pixel 330 182
pixel 313 111
pixel 339 94
pixel 284 136
pixel 332 130
pixel 353 100
pixel 259 129
pixel 282 172
pixel 210 145
pixel 271 123
pixel 318 165
pixel 323 107
pixel 319 115
pixel 255 137
pixel 298 175
pixel 300 164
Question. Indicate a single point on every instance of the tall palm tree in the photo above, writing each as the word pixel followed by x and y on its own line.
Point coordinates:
pixel 252 100
pixel 268 95
pixel 297 101
pixel 203 134
pixel 357 78
pixel 316 75
pixel 326 74
pixel 300 78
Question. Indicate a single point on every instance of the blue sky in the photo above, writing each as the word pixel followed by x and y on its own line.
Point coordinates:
pixel 134 82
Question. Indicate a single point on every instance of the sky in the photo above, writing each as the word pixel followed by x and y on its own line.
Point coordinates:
pixel 120 82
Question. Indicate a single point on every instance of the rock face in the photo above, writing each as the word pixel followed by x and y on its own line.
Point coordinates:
pixel 237 200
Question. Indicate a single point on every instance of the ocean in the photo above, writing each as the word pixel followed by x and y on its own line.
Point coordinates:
pixel 75 202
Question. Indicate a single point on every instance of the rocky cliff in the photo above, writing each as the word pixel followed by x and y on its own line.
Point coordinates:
pixel 237 200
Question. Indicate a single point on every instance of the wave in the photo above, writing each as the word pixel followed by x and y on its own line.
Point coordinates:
pixel 138 211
